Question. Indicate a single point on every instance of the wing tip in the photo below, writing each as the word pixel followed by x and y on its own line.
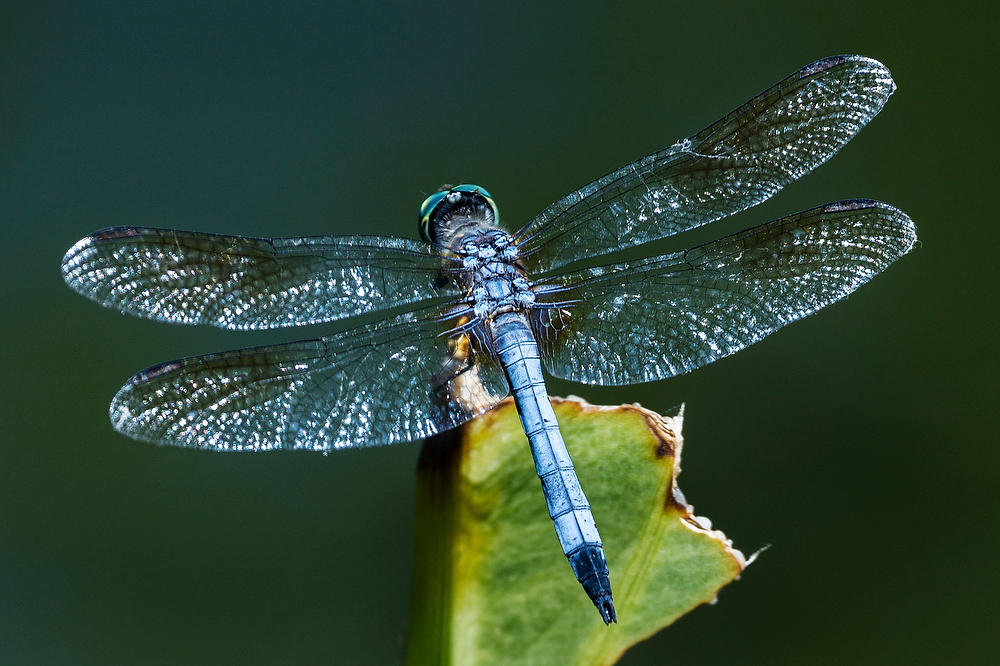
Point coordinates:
pixel 70 265
pixel 124 417
pixel 126 411
pixel 903 223
pixel 858 62
pixel 119 412
pixel 75 264
pixel 846 205
pixel 830 62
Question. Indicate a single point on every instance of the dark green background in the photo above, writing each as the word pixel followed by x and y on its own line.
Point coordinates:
pixel 859 443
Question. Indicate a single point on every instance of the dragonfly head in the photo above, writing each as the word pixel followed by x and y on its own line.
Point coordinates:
pixel 449 209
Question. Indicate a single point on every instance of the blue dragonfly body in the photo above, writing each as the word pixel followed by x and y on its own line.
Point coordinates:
pixel 483 308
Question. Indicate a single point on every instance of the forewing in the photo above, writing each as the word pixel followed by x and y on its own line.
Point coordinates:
pixel 235 282
pixel 663 316
pixel 392 381
pixel 736 163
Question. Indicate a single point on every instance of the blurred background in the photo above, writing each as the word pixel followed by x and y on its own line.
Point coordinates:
pixel 860 443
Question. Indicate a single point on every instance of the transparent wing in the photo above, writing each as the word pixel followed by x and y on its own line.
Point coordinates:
pixel 736 163
pixel 235 282
pixel 663 316
pixel 392 381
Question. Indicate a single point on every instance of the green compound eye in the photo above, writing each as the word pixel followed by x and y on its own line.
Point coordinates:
pixel 431 203
pixel 481 191
pixel 472 188
pixel 426 208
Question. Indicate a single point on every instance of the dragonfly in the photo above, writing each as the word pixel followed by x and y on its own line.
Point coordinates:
pixel 473 311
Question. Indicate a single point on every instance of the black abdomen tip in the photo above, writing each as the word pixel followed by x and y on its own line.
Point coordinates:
pixel 606 607
pixel 591 570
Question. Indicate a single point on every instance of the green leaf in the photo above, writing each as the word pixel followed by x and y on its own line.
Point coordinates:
pixel 490 583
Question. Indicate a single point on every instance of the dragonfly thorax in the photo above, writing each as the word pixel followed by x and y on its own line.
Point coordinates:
pixel 491 274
